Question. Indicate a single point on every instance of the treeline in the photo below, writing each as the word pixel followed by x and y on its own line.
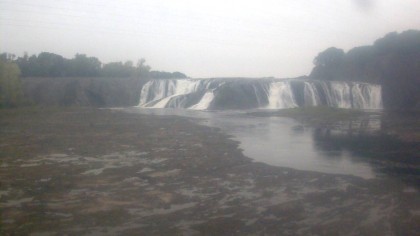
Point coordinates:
pixel 366 62
pixel 47 64
pixel 392 61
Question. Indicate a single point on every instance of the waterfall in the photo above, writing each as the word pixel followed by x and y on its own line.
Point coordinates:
pixel 340 94
pixel 159 93
pixel 367 96
pixel 311 96
pixel 155 90
pixel 205 101
pixel 203 94
pixel 280 96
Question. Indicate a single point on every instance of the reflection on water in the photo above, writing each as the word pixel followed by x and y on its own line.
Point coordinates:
pixel 356 147
pixel 385 154
pixel 283 142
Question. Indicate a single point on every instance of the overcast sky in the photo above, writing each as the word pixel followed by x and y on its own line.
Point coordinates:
pixel 207 38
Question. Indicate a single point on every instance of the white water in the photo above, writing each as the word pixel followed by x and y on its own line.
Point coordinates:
pixel 204 102
pixel 162 103
pixel 367 97
pixel 187 86
pixel 340 94
pixel 268 94
pixel 311 95
pixel 165 90
pixel 280 96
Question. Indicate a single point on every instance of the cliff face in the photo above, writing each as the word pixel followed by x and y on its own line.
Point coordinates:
pixel 392 61
pixel 96 92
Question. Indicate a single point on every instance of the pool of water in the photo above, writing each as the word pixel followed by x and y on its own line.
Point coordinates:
pixel 279 141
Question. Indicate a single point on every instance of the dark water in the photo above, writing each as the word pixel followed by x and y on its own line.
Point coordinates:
pixel 357 147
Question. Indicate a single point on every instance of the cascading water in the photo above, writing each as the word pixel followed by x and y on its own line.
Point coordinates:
pixel 280 96
pixel 204 102
pixel 311 96
pixel 340 94
pixel 203 94
pixel 366 96
pixel 166 92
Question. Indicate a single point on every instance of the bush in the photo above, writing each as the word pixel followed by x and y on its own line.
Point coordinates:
pixel 11 94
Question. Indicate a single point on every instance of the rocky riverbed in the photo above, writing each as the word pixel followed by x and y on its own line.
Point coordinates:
pixel 105 172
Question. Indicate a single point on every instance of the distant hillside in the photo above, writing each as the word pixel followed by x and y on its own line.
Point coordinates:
pixel 392 61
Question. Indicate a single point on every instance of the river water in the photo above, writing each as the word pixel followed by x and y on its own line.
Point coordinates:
pixel 353 148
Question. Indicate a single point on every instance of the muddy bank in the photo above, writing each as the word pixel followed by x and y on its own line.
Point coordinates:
pixel 101 172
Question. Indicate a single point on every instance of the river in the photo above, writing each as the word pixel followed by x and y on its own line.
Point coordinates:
pixel 356 147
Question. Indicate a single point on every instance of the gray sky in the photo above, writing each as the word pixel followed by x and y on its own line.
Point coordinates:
pixel 208 38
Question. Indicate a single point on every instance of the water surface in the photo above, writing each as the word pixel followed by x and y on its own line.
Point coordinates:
pixel 279 141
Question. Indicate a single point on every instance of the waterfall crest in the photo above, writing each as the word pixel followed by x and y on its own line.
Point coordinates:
pixel 219 93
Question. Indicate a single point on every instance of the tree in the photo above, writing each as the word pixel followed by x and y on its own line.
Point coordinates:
pixel 166 75
pixel 142 70
pixel 328 65
pixel 330 57
pixel 392 61
pixel 11 94
pixel 51 64
pixel 84 66
pixel 118 69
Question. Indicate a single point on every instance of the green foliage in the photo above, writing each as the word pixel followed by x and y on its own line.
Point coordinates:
pixel 392 61
pixel 364 63
pixel 116 69
pixel 11 94
pixel 52 65
pixel 124 70
pixel 406 42
pixel 330 57
pixel 166 75
pixel 83 66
